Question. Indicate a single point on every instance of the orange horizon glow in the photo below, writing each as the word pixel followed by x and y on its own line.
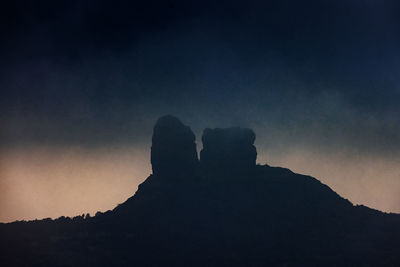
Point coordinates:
pixel 37 183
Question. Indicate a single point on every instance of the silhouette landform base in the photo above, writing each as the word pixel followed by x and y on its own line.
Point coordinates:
pixel 220 210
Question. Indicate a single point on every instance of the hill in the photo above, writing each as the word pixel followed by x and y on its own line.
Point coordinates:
pixel 222 210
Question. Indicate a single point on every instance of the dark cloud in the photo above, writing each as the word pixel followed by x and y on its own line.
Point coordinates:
pixel 322 73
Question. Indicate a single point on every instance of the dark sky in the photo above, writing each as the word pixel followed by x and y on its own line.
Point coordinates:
pixel 305 75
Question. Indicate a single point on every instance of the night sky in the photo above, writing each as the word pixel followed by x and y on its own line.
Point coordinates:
pixel 83 82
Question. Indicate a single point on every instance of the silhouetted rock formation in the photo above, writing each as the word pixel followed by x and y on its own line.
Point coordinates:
pixel 266 216
pixel 229 149
pixel 173 150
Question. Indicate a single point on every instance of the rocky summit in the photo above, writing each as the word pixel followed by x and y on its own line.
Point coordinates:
pixel 173 150
pixel 224 210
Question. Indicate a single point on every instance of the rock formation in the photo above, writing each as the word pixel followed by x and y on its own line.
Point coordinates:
pixel 173 150
pixel 228 149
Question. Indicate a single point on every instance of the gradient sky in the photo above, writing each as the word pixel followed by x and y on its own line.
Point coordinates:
pixel 83 82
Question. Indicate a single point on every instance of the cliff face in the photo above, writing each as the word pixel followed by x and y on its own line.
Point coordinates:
pixel 224 210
